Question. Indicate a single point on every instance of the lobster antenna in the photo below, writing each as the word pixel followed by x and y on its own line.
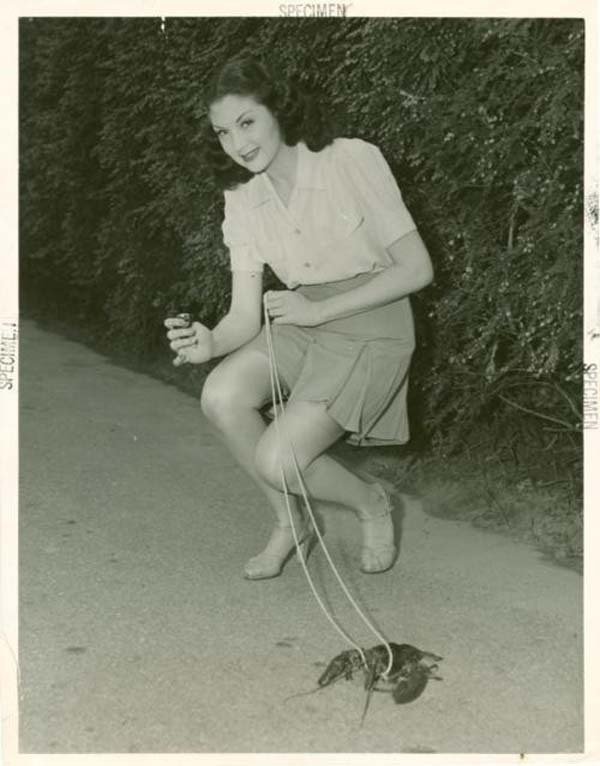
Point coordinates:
pixel 369 693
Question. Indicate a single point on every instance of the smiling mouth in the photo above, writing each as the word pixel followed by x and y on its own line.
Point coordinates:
pixel 250 156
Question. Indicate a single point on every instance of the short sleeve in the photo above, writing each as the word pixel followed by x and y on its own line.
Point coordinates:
pixel 237 234
pixel 373 185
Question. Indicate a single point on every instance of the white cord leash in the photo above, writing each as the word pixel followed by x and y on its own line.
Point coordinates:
pixel 277 397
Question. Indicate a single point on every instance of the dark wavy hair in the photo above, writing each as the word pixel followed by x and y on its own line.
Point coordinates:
pixel 300 115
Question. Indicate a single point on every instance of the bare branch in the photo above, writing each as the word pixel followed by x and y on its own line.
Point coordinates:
pixel 564 423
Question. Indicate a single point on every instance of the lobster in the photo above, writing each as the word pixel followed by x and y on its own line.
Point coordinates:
pixel 408 676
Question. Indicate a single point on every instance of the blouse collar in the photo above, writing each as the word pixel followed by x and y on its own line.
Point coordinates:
pixel 307 177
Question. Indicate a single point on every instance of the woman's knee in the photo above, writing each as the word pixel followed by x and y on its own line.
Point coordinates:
pixel 229 388
pixel 216 395
pixel 310 429
pixel 269 462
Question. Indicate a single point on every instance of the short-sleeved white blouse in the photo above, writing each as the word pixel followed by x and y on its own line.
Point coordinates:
pixel 344 211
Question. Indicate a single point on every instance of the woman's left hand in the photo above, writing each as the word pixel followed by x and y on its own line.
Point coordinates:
pixel 290 307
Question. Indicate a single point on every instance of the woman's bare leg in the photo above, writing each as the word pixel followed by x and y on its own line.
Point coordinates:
pixel 311 430
pixel 232 396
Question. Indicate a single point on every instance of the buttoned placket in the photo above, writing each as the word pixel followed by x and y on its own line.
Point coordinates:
pixel 287 212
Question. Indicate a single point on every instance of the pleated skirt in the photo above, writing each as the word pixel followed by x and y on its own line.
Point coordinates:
pixel 358 366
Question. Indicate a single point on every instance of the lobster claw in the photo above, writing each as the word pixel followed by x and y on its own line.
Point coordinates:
pixel 411 686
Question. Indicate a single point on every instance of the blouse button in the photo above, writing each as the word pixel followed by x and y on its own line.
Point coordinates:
pixel 296 231
pixel 307 264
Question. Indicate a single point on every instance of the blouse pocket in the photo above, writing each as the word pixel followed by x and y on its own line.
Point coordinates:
pixel 335 227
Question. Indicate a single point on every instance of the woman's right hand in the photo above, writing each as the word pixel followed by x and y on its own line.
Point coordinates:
pixel 193 344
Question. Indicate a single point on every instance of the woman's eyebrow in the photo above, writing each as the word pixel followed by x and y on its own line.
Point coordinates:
pixel 243 114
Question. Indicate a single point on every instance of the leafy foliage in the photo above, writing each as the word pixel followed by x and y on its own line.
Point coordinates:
pixel 480 119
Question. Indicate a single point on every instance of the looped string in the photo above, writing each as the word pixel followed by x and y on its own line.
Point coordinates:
pixel 277 398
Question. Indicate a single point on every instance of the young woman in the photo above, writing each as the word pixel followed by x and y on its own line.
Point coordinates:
pixel 327 216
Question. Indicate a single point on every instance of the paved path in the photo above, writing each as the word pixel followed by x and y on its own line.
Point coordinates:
pixel 138 633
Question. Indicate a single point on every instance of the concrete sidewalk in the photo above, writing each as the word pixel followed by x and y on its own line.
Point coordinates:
pixel 139 634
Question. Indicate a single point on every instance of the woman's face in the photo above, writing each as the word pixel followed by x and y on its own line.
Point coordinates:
pixel 247 130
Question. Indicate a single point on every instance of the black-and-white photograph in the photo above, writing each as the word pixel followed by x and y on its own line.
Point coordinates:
pixel 304 378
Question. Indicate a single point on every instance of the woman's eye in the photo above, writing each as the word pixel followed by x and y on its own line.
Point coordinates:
pixel 246 123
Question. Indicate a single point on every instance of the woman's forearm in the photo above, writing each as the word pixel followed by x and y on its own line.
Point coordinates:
pixel 410 272
pixel 233 331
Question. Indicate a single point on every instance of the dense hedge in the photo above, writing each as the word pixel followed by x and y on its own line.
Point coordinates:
pixel 481 120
